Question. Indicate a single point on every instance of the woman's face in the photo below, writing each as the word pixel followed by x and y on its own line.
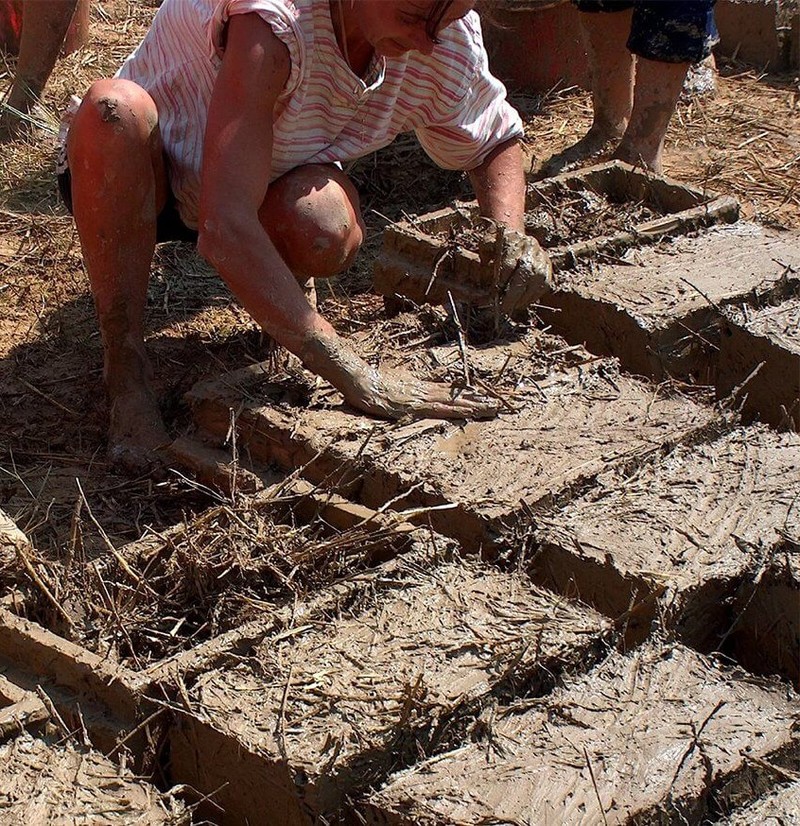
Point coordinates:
pixel 394 27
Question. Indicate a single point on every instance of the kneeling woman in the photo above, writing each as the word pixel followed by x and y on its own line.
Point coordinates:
pixel 228 125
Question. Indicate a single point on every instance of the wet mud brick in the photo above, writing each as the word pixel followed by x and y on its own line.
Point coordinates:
pixel 110 699
pixel 43 783
pixel 654 737
pixel 769 337
pixel 702 538
pixel 72 677
pixel 659 310
pixel 781 808
pixel 572 420
pixel 601 210
pixel 19 710
pixel 323 712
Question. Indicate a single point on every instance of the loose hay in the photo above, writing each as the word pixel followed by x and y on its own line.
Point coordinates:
pixel 167 593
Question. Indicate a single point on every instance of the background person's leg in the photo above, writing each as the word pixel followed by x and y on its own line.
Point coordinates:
pixel 612 72
pixel 44 27
pixel 658 87
pixel 605 26
pixel 667 36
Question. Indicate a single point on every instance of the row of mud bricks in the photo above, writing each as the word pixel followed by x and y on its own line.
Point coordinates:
pixel 585 611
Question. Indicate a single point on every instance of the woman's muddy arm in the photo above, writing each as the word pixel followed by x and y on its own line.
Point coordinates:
pixel 235 178
pixel 499 184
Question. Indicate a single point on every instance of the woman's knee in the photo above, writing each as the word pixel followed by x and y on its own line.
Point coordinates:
pixel 314 219
pixel 113 144
pixel 114 112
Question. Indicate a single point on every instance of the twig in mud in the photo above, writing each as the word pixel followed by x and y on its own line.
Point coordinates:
pixel 42 586
pixel 133 732
pixel 55 402
pixel 280 728
pixel 387 505
pixel 445 253
pixel 495 395
pixel 594 784
pixel 461 342
pixel 730 398
pixel 53 711
pixel 696 732
pixel 234 452
pixel 704 295
pixel 695 334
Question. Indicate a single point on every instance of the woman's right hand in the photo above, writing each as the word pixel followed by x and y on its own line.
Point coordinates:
pixel 390 394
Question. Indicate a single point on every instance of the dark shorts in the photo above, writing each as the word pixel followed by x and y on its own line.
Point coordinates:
pixel 669 31
pixel 169 226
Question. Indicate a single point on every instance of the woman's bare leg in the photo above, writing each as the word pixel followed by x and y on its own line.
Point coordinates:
pixel 119 186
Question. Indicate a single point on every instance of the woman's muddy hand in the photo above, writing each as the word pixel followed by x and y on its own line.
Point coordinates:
pixel 394 395
pixel 388 393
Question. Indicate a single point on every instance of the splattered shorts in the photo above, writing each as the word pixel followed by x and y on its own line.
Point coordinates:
pixel 670 31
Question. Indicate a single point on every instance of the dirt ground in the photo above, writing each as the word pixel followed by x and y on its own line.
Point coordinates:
pixel 55 480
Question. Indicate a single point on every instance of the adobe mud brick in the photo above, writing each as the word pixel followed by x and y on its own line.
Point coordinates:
pixel 658 736
pixel 596 212
pixel 321 712
pixel 659 310
pixel 567 416
pixel 72 676
pixel 19 709
pixel 781 808
pixel 45 783
pixel 760 354
pixel 701 539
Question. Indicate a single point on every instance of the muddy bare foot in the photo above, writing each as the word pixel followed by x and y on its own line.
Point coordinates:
pixel 136 434
pixel 590 147
pixel 635 158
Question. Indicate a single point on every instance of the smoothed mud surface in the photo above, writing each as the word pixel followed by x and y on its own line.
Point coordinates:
pixel 657 735
pixel 567 415
pixel 695 528
pixel 339 704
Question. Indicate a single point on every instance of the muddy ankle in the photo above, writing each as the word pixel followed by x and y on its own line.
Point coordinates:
pixel 589 148
pixel 136 433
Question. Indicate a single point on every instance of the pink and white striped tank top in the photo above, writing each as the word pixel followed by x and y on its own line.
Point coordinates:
pixel 326 113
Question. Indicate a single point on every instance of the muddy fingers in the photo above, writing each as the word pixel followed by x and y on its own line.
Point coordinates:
pixel 389 394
